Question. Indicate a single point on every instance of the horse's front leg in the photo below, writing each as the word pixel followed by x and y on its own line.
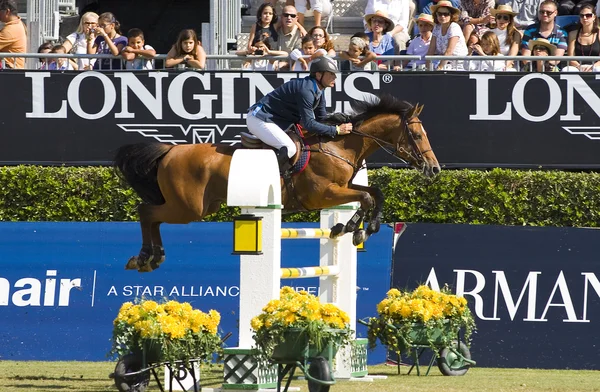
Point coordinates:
pixel 336 195
pixel 374 221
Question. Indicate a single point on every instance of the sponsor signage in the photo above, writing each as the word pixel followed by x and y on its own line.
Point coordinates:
pixel 535 292
pixel 62 284
pixel 473 119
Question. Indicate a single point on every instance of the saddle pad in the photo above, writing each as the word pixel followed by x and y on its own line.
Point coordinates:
pixel 302 162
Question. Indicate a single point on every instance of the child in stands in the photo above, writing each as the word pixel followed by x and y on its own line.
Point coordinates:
pixel 359 46
pixel 137 54
pixel 488 46
pixel 187 51
pixel 61 64
pixel 308 49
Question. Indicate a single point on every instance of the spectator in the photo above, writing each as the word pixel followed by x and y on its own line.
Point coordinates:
pixel 13 37
pixel 400 13
pixel 46 47
pixel 289 34
pixel 448 38
pixel 187 51
pixel 359 47
pixel 489 46
pixel 322 40
pixel 308 49
pixel 541 47
pixel 316 8
pixel 571 7
pixel 427 8
pixel 62 63
pixel 475 16
pixel 419 46
pixel 76 42
pixel 264 28
pixel 260 49
pixel 526 10
pixel 381 43
pixel 584 41
pixel 137 54
pixel 547 29
pixel 107 39
pixel 508 35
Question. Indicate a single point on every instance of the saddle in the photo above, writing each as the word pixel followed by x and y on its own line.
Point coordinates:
pixel 299 161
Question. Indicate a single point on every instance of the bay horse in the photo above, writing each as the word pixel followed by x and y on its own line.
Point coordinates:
pixel 184 183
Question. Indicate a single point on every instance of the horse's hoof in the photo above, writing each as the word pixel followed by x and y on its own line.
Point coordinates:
pixel 145 268
pixel 336 230
pixel 359 237
pixel 132 263
pixel 155 265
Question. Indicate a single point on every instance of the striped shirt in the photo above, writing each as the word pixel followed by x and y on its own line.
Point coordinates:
pixel 558 37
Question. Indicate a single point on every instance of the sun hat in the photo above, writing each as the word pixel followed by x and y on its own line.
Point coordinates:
pixel 444 3
pixel 542 42
pixel 425 18
pixel 503 9
pixel 381 14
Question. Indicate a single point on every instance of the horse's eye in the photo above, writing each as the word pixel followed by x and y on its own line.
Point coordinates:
pixel 417 136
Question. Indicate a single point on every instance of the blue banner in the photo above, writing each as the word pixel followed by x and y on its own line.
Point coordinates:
pixel 62 284
pixel 534 291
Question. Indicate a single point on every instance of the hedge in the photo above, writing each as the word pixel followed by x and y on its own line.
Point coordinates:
pixel 506 197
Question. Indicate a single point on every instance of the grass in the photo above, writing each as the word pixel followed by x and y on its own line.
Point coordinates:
pixel 93 376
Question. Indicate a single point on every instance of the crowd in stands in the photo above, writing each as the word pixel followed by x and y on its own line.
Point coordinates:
pixel 477 28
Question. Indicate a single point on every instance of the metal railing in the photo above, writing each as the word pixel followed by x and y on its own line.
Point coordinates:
pixel 235 62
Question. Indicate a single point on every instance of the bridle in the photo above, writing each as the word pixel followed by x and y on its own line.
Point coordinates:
pixel 388 147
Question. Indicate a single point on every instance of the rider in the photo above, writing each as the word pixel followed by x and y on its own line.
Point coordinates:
pixel 297 101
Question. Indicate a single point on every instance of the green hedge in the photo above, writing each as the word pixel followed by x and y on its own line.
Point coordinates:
pixel 506 197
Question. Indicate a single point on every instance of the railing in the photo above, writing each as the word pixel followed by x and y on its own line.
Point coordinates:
pixel 230 61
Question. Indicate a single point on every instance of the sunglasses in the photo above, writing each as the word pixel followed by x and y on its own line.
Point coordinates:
pixel 546 12
pixel 502 17
pixel 586 16
pixel 443 14
pixel 285 15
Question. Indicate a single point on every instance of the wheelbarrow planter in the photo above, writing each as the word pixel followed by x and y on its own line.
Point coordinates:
pixel 313 359
pixel 453 356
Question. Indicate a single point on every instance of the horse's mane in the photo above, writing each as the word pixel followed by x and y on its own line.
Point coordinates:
pixel 381 104
pixel 372 106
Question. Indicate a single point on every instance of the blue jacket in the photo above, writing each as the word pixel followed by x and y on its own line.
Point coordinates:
pixel 298 101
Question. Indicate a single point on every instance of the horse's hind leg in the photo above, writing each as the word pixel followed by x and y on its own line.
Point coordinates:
pixel 152 253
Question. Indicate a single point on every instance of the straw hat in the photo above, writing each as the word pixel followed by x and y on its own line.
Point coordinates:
pixel 427 18
pixel 444 3
pixel 542 42
pixel 383 15
pixel 504 9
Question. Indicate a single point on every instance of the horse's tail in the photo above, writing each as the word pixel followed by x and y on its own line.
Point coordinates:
pixel 137 164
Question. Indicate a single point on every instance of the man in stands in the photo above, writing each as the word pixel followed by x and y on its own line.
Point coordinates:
pixel 527 12
pixel 13 37
pixel 547 29
pixel 289 35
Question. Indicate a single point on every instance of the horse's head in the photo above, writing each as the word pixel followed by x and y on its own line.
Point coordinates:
pixel 413 145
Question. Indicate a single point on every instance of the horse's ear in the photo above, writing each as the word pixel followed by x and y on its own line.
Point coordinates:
pixel 416 110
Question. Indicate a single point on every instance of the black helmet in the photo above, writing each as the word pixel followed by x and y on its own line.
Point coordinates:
pixel 323 64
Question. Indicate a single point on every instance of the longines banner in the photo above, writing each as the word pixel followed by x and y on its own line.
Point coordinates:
pixel 473 120
pixel 535 292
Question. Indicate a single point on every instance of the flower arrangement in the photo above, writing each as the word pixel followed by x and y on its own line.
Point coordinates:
pixel 176 330
pixel 423 316
pixel 301 312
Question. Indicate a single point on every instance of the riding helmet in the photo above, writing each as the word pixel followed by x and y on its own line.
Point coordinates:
pixel 323 64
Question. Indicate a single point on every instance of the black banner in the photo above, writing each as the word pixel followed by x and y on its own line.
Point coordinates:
pixel 473 120
pixel 535 292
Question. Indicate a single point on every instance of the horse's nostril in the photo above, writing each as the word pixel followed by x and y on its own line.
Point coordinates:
pixel 436 170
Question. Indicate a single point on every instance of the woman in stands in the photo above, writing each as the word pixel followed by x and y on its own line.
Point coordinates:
pixel 584 41
pixel 321 40
pixel 381 43
pixel 400 14
pixel 448 38
pixel 76 43
pixel 187 51
pixel 508 35
pixel 107 39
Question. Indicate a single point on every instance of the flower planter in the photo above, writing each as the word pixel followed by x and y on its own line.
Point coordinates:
pixel 296 346
pixel 419 335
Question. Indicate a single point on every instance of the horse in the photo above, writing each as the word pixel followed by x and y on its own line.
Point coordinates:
pixel 184 183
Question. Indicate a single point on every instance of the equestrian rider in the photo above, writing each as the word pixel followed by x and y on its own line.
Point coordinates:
pixel 299 101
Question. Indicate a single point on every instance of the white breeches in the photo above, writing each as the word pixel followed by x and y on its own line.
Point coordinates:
pixel 270 134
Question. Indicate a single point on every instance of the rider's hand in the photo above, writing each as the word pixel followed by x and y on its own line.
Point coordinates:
pixel 344 129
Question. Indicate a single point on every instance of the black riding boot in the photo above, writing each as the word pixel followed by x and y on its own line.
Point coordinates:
pixel 284 161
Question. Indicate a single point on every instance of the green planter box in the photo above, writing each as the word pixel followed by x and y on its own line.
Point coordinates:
pixel 296 347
